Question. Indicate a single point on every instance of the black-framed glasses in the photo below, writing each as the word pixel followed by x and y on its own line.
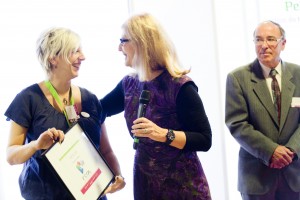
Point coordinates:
pixel 124 40
pixel 271 41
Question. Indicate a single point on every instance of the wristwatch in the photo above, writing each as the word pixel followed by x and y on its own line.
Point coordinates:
pixel 170 136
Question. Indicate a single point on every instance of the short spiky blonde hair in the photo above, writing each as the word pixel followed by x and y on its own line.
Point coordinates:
pixel 154 49
pixel 56 42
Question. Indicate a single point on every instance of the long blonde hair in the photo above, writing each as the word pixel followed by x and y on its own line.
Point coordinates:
pixel 154 49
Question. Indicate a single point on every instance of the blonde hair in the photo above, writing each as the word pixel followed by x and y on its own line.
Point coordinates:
pixel 154 49
pixel 56 42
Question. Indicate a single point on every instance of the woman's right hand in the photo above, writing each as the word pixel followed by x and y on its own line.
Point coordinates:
pixel 47 138
pixel 18 151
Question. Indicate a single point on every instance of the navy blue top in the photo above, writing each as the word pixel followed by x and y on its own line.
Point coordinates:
pixel 32 110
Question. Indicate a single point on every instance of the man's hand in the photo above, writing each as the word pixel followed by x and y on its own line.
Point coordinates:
pixel 281 157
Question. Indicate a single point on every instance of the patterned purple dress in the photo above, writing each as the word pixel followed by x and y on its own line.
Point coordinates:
pixel 160 170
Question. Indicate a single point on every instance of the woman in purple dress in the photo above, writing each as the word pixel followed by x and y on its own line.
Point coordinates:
pixel 175 125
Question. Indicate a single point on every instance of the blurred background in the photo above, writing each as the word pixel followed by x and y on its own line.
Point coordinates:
pixel 212 37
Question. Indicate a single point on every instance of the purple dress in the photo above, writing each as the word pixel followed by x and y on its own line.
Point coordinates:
pixel 160 170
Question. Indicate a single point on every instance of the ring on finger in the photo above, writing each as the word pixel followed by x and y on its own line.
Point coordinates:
pixel 145 130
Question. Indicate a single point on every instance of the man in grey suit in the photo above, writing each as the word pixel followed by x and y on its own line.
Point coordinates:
pixel 267 128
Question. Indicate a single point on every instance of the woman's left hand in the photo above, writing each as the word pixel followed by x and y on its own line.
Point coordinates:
pixel 143 127
pixel 117 185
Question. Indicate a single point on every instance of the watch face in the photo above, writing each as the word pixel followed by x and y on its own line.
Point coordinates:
pixel 171 135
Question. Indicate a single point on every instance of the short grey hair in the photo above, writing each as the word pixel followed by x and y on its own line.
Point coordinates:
pixel 56 42
pixel 282 31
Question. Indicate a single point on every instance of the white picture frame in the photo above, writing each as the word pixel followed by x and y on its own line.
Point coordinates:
pixel 79 165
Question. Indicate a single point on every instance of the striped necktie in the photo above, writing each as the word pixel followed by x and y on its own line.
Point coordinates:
pixel 276 93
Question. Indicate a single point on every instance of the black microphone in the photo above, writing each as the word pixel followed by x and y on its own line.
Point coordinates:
pixel 143 102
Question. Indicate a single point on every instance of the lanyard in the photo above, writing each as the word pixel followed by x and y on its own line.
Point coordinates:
pixel 57 99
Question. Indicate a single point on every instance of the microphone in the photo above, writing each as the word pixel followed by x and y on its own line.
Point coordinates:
pixel 143 102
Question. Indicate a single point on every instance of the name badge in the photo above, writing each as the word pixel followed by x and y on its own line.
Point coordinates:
pixel 71 113
pixel 295 102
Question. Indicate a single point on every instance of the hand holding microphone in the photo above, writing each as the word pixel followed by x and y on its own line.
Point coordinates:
pixel 143 102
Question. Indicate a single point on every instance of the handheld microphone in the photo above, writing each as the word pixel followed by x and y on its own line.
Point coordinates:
pixel 143 102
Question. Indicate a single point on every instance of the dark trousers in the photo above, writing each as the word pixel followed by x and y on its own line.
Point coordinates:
pixel 280 191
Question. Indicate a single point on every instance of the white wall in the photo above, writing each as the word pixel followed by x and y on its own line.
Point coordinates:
pixel 212 37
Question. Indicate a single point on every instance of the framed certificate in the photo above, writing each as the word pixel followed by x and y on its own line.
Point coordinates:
pixel 79 165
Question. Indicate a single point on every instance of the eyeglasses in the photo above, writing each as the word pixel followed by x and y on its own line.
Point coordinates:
pixel 271 41
pixel 124 40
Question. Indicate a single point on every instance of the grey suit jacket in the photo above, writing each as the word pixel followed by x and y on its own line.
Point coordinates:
pixel 251 118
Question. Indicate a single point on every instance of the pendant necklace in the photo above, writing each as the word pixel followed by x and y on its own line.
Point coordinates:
pixel 65 101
